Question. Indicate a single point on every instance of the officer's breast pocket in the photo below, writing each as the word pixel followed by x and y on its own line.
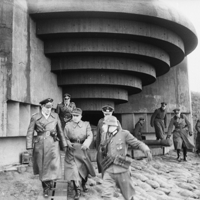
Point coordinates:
pixel 119 146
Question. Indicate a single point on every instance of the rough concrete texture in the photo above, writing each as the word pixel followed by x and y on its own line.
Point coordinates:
pixel 11 149
pixel 172 88
pixel 5 59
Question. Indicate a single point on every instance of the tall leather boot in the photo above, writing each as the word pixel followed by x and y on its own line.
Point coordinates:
pixel 77 191
pixel 46 188
pixel 178 155
pixel 84 181
pixel 185 153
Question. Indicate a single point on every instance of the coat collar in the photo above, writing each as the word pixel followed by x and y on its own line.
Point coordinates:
pixel 40 115
pixel 79 124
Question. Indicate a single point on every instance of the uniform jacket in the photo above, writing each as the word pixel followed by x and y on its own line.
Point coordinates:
pixel 119 145
pixel 99 138
pixel 46 151
pixel 182 127
pixel 78 133
pixel 159 114
pixel 65 112
pixel 137 131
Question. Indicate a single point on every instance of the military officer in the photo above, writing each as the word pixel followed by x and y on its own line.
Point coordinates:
pixel 182 131
pixel 138 128
pixel 64 109
pixel 107 110
pixel 115 163
pixel 159 121
pixel 46 150
pixel 77 163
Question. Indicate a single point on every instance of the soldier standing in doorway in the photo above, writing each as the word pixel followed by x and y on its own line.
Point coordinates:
pixel 64 109
pixel 159 121
pixel 46 150
pixel 138 128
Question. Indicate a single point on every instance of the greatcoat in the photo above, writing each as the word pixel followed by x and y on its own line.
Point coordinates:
pixel 46 150
pixel 77 162
pixel 159 121
pixel 182 127
pixel 64 112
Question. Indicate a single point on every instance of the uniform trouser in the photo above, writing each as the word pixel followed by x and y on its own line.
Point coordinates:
pixel 121 180
pixel 159 129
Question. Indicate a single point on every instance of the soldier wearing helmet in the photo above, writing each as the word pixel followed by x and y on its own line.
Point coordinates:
pixel 107 111
pixel 115 164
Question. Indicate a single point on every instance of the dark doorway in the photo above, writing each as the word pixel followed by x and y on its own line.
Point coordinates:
pixel 94 116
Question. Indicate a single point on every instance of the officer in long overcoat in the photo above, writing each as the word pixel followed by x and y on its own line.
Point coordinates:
pixel 78 166
pixel 46 150
pixel 182 131
pixel 64 109
pixel 115 163
pixel 159 121
pixel 107 110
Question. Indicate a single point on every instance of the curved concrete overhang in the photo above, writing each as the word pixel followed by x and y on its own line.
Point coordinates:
pixel 110 46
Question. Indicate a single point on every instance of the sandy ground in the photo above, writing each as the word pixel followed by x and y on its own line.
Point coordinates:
pixel 20 183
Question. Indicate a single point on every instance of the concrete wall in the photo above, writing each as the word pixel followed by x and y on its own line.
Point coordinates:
pixel 25 77
pixel 11 149
pixel 172 88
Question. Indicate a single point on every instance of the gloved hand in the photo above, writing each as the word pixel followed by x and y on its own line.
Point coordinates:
pixel 30 152
pixel 70 146
pixel 148 155
pixel 84 147
pixel 190 133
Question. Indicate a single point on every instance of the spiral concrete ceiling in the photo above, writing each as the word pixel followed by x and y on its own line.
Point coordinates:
pixel 105 50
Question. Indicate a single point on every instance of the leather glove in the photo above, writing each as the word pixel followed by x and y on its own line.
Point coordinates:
pixel 148 155
pixel 84 147
pixel 70 146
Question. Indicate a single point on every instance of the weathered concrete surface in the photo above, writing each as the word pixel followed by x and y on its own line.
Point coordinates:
pixel 32 80
pixel 10 149
pixel 172 88
pixel 5 59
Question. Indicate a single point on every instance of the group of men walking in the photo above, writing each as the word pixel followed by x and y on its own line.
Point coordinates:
pixel 66 128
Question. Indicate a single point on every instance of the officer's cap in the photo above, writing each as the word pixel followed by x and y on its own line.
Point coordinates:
pixel 107 108
pixel 45 101
pixel 66 95
pixel 76 111
pixel 111 120
pixel 164 103
pixel 141 118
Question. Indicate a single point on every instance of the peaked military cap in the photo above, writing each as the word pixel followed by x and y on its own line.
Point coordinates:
pixel 107 108
pixel 45 101
pixel 67 95
pixel 76 111
pixel 163 103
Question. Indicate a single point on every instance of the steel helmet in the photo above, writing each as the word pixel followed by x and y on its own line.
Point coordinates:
pixel 111 120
